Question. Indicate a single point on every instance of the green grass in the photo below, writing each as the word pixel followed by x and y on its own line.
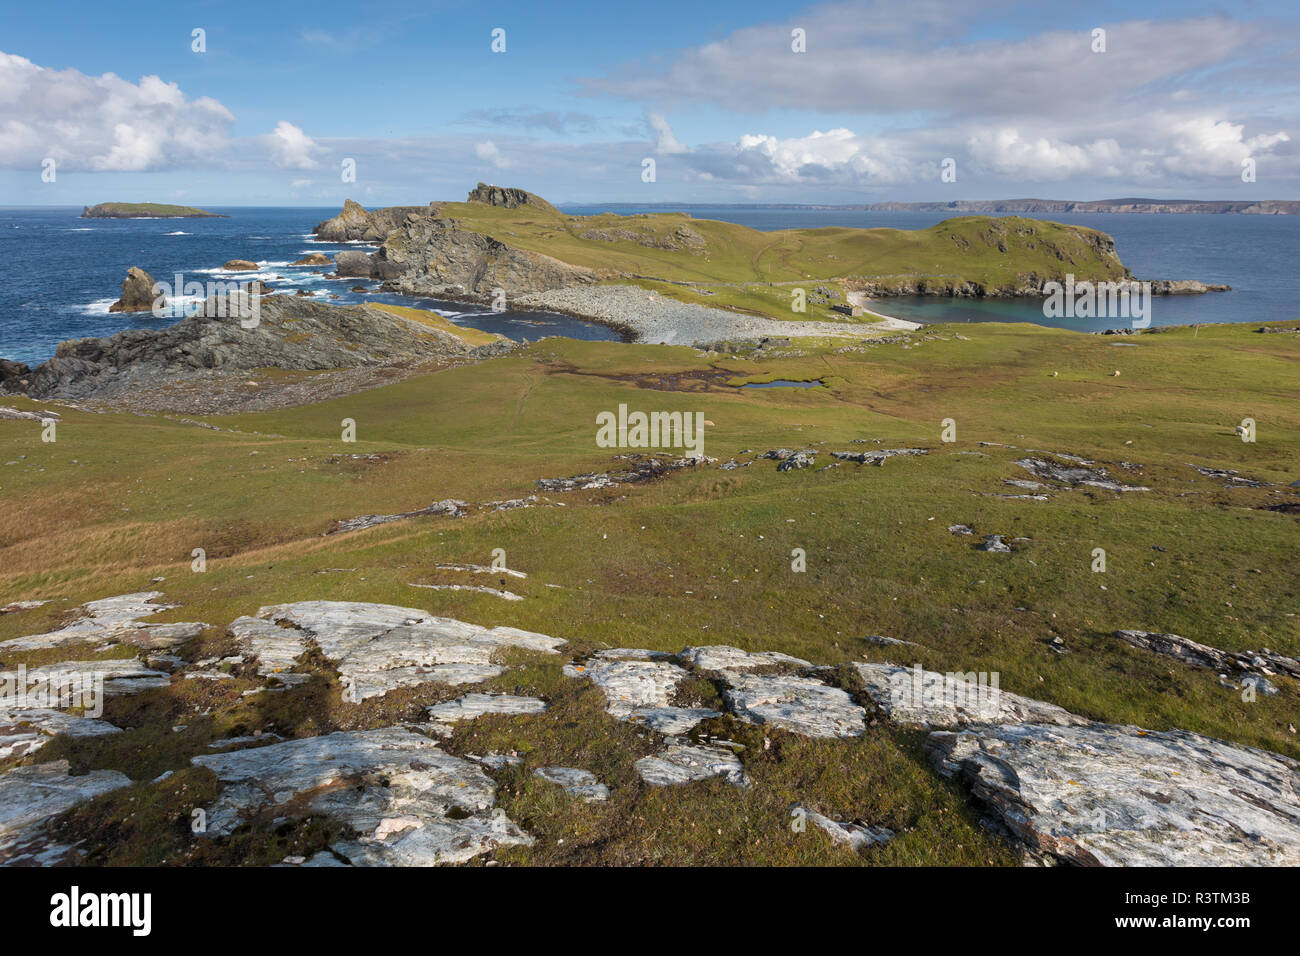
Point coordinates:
pixel 704 557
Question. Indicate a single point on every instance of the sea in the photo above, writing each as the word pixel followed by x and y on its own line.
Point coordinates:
pixel 63 272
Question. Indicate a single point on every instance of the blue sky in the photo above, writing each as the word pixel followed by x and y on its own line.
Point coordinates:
pixel 1014 94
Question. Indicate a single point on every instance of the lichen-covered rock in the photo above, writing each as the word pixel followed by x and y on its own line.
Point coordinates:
pixel 1077 472
pixel 29 796
pixel 683 763
pixel 1111 795
pixel 114 620
pixel 722 657
pixel 411 803
pixel 23 732
pixel 380 647
pixel 580 783
pixel 641 691
pixel 856 836
pixel 800 705
pixel 931 699
pixel 476 705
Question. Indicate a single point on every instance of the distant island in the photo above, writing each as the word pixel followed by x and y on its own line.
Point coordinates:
pixel 1262 207
pixel 146 210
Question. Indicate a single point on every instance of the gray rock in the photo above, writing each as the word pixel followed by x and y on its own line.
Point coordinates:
pixel 1075 474
pixel 641 691
pixel 1122 796
pixel 137 293
pixel 879 456
pixel 682 763
pixel 23 732
pixel 994 543
pixel 448 506
pixel 1181 648
pixel 380 647
pixel 796 461
pixel 411 803
pixel 476 705
pixel 855 836
pixel 114 620
pixel 29 796
pixel 960 529
pixel 721 657
pixel 931 699
pixel 579 783
pixel 800 705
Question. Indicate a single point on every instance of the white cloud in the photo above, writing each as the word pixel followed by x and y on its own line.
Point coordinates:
pixel 489 153
pixel 103 122
pixel 291 148
pixel 666 142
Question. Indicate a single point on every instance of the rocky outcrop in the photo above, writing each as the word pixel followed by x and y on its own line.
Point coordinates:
pixel 379 647
pixel 1106 795
pixel 1186 287
pixel 30 796
pixel 289 333
pixel 312 259
pixel 137 293
pixel 409 802
pixel 507 197
pixel 438 257
pixel 356 224
pixel 239 265
pixel 114 620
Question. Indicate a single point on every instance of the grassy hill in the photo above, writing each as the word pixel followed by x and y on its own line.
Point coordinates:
pixel 732 266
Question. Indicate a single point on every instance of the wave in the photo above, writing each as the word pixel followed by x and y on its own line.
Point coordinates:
pixel 177 233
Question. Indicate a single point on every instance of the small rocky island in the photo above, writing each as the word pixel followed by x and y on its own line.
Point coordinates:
pixel 146 210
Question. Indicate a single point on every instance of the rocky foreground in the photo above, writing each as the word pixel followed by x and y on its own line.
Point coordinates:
pixel 1064 788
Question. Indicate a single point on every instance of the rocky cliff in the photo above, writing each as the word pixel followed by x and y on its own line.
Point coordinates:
pixel 436 256
pixel 291 333
pixel 507 197
pixel 356 223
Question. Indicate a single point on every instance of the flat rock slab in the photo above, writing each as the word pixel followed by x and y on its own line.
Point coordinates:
pixel 114 620
pixel 1074 474
pixel 580 783
pixel 476 705
pixel 641 691
pixel 931 699
pixel 116 677
pixel 31 795
pixel 684 763
pixel 722 657
pixel 411 803
pixel 800 705
pixel 24 732
pixel 380 647
pixel 1121 796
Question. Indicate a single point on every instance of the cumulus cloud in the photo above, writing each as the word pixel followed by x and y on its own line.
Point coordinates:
pixel 291 148
pixel 103 123
pixel 665 141
pixel 489 153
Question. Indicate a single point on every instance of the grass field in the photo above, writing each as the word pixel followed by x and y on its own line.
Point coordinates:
pixel 700 557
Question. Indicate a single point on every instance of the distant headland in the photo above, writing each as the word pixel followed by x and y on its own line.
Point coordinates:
pixel 146 210
pixel 1262 207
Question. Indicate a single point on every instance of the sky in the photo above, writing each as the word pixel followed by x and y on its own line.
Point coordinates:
pixel 238 103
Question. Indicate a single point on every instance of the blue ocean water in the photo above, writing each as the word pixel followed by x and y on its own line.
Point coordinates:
pixel 62 272
pixel 1249 253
